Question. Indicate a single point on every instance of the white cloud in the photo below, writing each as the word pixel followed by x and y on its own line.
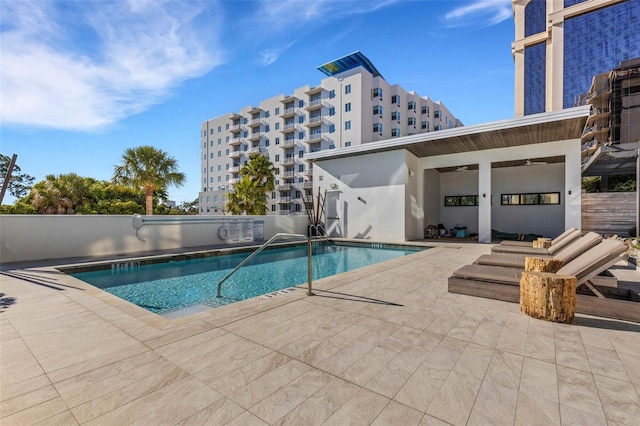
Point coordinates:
pixel 479 13
pixel 82 66
pixel 270 55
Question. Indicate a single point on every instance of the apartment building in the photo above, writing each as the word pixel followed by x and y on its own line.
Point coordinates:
pixel 560 45
pixel 352 105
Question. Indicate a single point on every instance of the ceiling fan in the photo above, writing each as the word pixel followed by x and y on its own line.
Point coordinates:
pixel 534 163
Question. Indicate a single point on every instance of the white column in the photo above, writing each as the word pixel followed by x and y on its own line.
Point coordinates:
pixel 572 186
pixel 484 201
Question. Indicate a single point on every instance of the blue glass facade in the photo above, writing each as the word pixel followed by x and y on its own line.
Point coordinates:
pixel 596 42
pixel 535 65
pixel 535 16
pixel 568 3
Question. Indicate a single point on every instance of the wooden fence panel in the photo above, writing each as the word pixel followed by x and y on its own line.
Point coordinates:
pixel 609 213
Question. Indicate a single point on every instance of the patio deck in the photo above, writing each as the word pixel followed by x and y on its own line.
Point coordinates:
pixel 381 345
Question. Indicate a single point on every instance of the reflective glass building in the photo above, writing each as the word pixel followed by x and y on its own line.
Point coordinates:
pixel 561 44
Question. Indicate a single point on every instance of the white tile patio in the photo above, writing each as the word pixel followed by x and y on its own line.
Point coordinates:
pixel 384 345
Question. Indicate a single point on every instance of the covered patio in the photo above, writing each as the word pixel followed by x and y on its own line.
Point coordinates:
pixel 520 175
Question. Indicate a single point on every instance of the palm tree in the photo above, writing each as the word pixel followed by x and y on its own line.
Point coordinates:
pixel 59 194
pixel 149 168
pixel 249 195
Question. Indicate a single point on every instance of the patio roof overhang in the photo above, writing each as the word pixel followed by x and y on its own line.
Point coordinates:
pixel 528 130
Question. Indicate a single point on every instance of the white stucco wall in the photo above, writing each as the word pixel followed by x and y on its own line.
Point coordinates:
pixel 36 237
pixel 454 184
pixel 370 192
pixel 414 199
pixel 547 220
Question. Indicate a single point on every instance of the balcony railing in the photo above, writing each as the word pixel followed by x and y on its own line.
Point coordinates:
pixel 289 174
pixel 234 169
pixel 307 184
pixel 235 154
pixel 236 141
pixel 315 119
pixel 289 159
pixel 286 187
pixel 284 200
pixel 288 143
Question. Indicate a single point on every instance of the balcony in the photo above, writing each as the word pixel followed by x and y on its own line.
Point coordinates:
pixel 233 181
pixel 288 174
pixel 288 160
pixel 255 136
pixel 288 112
pixel 286 187
pixel 255 123
pixel 284 200
pixel 236 127
pixel 314 137
pixel 307 184
pixel 314 90
pixel 234 169
pixel 254 150
pixel 288 128
pixel 236 141
pixel 236 116
pixel 235 154
pixel 284 212
pixel 288 143
pixel 314 121
pixel 288 99
pixel 314 105
pixel 255 110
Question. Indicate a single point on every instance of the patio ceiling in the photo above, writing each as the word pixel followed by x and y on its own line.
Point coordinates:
pixel 528 130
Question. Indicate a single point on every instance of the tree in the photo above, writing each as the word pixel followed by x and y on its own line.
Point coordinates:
pixel 59 194
pixel 249 195
pixel 19 183
pixel 150 169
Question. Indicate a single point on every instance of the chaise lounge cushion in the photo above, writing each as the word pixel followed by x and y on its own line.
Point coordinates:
pixel 529 244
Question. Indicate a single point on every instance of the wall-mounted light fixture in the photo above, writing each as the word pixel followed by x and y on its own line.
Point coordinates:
pixel 484 195
pixel 411 173
pixel 333 185
pixel 569 192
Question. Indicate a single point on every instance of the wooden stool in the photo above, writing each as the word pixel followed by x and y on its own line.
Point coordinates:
pixel 542 243
pixel 546 295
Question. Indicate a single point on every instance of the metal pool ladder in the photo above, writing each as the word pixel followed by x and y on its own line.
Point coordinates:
pixel 265 245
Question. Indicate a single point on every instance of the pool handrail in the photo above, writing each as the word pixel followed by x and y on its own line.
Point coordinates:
pixel 262 247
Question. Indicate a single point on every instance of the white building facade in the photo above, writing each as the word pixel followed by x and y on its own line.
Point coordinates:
pixel 352 106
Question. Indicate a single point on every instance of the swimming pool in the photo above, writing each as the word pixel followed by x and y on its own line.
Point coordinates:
pixel 165 287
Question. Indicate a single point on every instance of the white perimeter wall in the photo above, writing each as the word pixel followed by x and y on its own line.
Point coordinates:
pixel 370 192
pixel 36 237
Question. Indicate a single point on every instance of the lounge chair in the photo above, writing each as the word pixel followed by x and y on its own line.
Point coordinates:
pixel 502 283
pixel 529 250
pixel 566 254
pixel 529 243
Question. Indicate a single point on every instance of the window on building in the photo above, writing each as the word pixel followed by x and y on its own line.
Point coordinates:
pixel 301 119
pixel 377 110
pixel 411 105
pixel 226 177
pixel 226 166
pixel 227 151
pixel 347 107
pixel 332 94
pixel 273 195
pixel 411 121
pixel 395 99
pixel 530 198
pixel 424 125
pixel 377 128
pixel 273 207
pixel 219 141
pixel 347 144
pixel 211 155
pixel 436 127
pixel 395 132
pixel 266 142
pixel 277 158
pixel 347 125
pixel 266 127
pixel 437 113
pixel 376 93
pixel 211 132
pixel 219 178
pixel 301 168
pixel 460 200
pixel 219 129
pixel 425 109
pixel 347 89
pixel 300 154
pixel 300 135
pixel 277 141
pixel 227 126
pixel 300 103
pixel 332 128
pixel 395 116
pixel 227 139
pixel 277 126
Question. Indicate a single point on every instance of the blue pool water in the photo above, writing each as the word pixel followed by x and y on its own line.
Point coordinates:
pixel 166 287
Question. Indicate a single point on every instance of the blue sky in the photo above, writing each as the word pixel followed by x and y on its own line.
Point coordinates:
pixel 82 81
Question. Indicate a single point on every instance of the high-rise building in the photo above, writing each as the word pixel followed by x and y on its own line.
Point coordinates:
pixel 560 45
pixel 353 105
